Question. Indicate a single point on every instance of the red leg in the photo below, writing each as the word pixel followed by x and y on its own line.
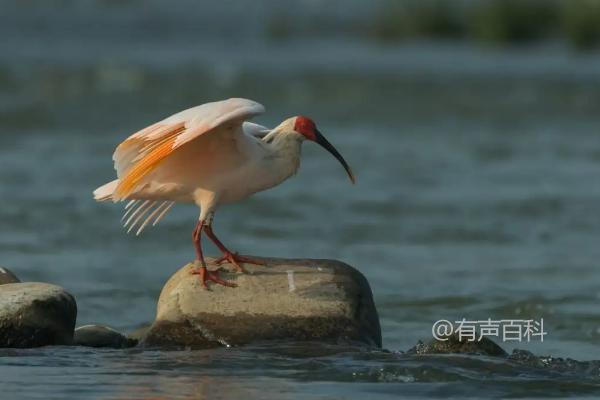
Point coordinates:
pixel 205 274
pixel 196 236
pixel 232 258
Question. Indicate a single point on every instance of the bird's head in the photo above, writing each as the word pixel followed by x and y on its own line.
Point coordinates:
pixel 307 129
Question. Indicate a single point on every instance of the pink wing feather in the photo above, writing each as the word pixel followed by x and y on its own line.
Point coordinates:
pixel 139 154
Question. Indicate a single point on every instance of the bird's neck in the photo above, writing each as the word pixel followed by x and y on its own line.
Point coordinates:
pixel 284 150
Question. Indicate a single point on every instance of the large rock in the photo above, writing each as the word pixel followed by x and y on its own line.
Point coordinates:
pixel 6 276
pixel 322 300
pixel 100 336
pixel 35 314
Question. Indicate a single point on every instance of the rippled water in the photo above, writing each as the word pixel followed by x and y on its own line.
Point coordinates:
pixel 277 371
pixel 476 197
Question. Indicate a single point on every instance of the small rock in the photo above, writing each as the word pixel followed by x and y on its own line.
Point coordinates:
pixel 321 300
pixel 453 344
pixel 35 314
pixel 100 336
pixel 556 364
pixel 6 276
pixel 526 357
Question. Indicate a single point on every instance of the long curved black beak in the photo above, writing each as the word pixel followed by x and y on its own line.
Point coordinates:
pixel 320 139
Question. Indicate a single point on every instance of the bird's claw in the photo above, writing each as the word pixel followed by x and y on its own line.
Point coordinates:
pixel 211 276
pixel 235 259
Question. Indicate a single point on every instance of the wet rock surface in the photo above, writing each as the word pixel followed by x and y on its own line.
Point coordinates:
pixel 35 314
pixel 519 359
pixel 6 276
pixel 100 336
pixel 556 364
pixel 297 300
pixel 453 345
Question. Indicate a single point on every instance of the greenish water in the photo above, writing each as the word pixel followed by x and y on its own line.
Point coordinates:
pixel 476 196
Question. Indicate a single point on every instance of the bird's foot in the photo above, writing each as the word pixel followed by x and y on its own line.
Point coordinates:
pixel 211 276
pixel 235 259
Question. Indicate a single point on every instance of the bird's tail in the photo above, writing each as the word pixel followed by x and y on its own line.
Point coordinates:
pixel 105 192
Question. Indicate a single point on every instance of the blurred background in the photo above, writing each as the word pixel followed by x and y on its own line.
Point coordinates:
pixel 472 127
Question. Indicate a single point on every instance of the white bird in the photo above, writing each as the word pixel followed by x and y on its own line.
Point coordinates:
pixel 208 155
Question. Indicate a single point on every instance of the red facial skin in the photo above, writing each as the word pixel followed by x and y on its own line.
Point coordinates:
pixel 305 126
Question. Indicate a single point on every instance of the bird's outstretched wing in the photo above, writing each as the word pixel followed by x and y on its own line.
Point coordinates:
pixel 143 151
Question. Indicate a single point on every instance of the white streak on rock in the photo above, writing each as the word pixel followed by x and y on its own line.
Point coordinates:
pixel 291 283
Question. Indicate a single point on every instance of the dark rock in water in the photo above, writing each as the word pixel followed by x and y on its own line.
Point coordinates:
pixel 319 300
pixel 453 344
pixel 6 276
pixel 100 336
pixel 526 357
pixel 35 314
pixel 556 364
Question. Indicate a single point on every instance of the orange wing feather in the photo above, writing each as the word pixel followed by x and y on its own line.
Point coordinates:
pixel 150 156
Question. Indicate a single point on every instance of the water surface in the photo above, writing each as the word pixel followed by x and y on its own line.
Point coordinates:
pixel 476 197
